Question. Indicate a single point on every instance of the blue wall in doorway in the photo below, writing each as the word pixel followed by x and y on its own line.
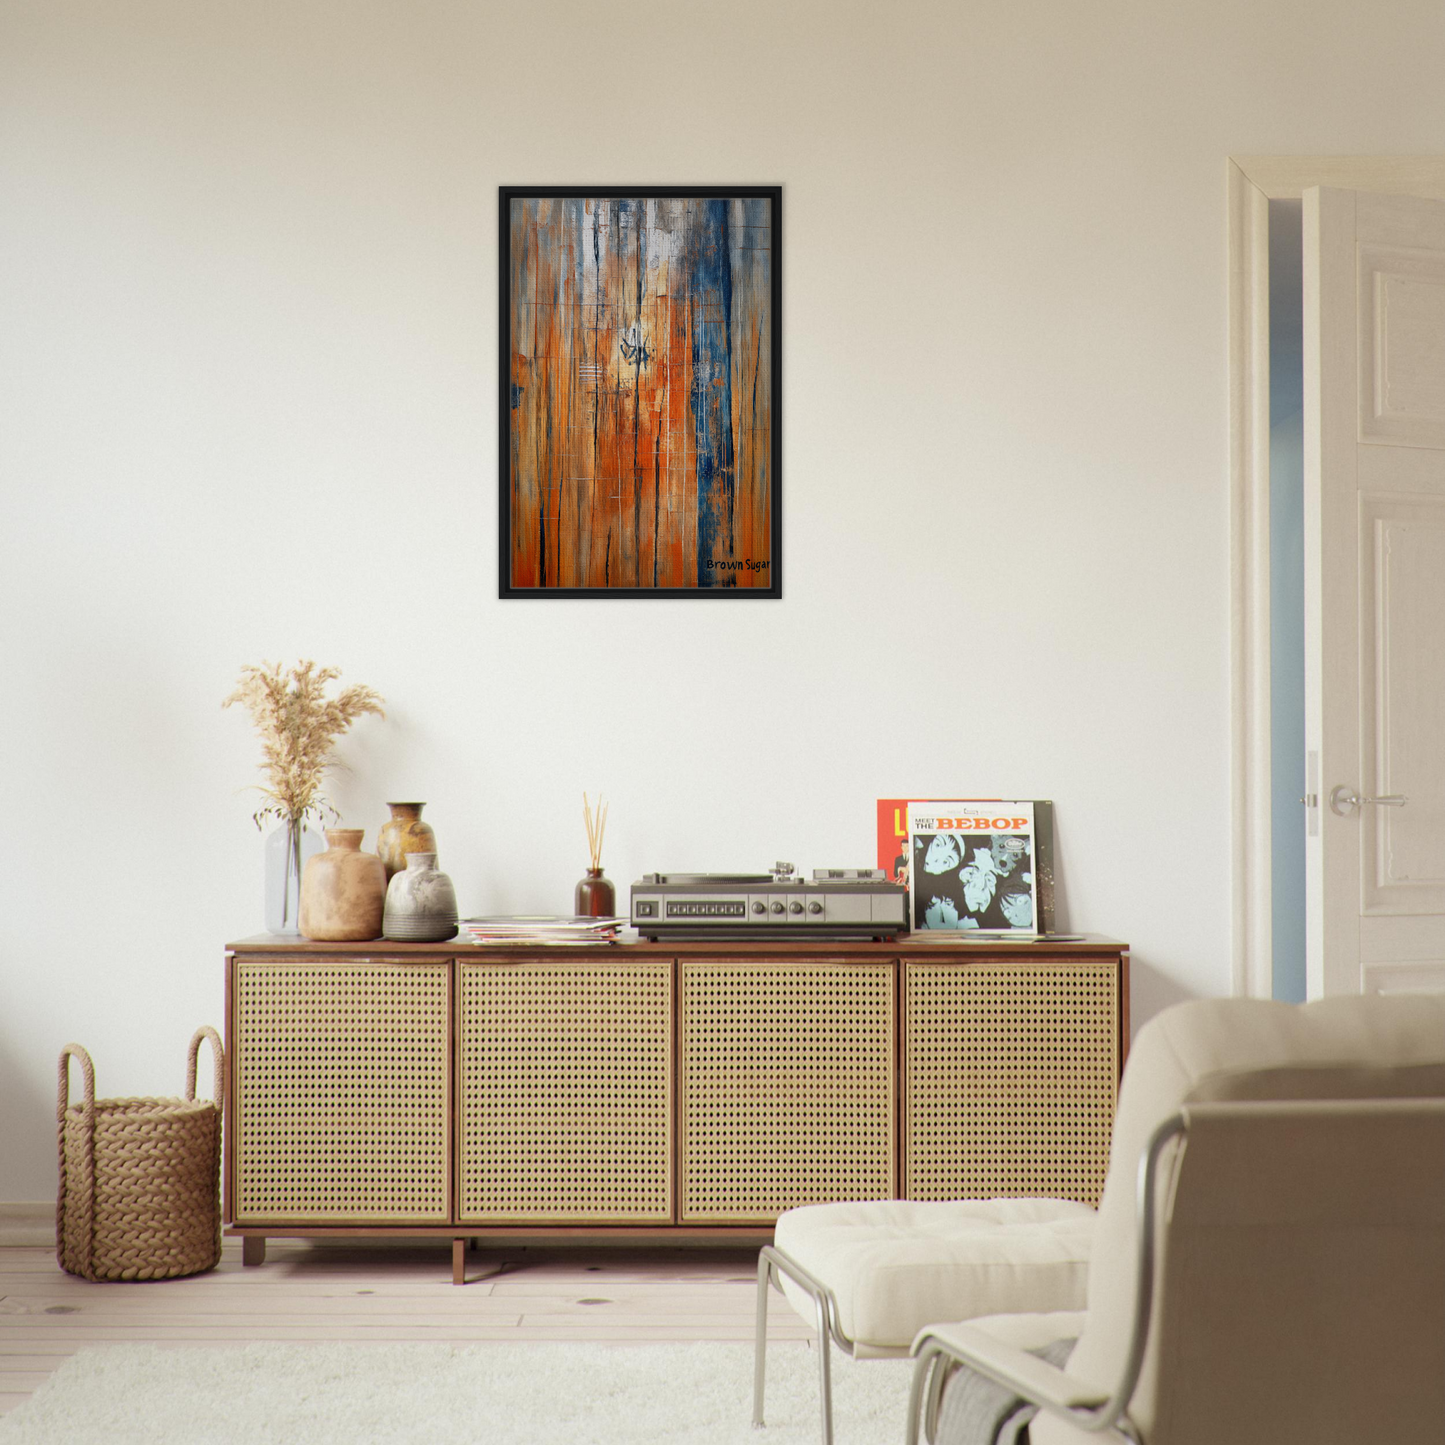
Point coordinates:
pixel 1286 597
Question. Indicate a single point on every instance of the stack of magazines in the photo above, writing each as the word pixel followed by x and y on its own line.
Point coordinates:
pixel 528 929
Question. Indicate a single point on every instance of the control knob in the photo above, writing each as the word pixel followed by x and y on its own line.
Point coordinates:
pixel 795 907
pixel 815 907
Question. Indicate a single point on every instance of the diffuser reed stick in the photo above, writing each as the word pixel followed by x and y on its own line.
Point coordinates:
pixel 596 821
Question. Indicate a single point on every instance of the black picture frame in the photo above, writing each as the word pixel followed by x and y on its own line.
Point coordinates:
pixel 525 502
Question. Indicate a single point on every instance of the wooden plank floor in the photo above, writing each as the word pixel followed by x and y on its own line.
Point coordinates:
pixel 381 1292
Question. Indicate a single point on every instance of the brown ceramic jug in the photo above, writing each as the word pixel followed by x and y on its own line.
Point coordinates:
pixel 343 890
pixel 403 833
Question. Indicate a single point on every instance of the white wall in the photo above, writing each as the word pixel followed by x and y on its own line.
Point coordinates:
pixel 248 339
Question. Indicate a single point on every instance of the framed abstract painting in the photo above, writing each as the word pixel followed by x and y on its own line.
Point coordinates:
pixel 640 391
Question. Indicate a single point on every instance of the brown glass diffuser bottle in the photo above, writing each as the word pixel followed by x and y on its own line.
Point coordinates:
pixel 595 896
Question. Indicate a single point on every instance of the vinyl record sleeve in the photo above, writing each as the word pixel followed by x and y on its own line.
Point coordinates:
pixel 895 858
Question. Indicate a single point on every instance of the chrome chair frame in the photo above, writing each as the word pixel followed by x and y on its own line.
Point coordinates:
pixel 771 1264
pixel 937 1358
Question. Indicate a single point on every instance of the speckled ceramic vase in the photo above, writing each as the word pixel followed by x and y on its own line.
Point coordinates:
pixel 404 833
pixel 421 904
pixel 343 890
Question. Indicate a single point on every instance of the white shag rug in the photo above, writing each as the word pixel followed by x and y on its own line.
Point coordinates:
pixel 479 1394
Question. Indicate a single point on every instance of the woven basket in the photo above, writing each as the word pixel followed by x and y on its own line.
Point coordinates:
pixel 139 1178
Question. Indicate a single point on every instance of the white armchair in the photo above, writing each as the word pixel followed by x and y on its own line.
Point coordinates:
pixel 870 1275
pixel 1269 1259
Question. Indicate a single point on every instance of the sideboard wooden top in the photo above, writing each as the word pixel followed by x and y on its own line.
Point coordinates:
pixel 905 946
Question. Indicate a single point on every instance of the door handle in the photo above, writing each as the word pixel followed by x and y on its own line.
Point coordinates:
pixel 1344 800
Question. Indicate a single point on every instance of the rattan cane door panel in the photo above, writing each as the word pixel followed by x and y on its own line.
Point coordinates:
pixel 1010 1079
pixel 788 1096
pixel 342 1073
pixel 566 1092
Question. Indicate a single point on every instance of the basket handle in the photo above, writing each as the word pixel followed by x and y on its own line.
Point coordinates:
pixel 218 1055
pixel 84 1186
pixel 87 1070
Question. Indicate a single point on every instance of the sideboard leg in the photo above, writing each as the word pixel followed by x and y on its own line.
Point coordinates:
pixel 459 1261
pixel 253 1249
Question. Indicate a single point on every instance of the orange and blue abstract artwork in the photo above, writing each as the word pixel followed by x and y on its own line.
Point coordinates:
pixel 640 427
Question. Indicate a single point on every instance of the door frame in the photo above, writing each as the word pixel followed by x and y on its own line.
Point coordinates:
pixel 1254 181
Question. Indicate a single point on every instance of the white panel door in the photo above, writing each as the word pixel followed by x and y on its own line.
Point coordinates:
pixel 1374 276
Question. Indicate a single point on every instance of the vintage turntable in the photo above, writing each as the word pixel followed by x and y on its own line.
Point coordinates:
pixel 834 903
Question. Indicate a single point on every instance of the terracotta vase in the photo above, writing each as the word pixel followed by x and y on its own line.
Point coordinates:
pixel 595 897
pixel 421 904
pixel 404 833
pixel 343 890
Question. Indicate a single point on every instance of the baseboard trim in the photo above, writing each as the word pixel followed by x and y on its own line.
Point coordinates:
pixel 27 1223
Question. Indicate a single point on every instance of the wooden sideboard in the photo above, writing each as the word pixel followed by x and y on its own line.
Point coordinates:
pixel 657 1091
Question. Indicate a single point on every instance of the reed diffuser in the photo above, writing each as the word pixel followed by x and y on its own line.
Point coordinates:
pixel 595 896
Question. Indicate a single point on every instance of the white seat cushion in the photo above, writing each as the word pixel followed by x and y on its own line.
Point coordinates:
pixel 1032 1332
pixel 897 1265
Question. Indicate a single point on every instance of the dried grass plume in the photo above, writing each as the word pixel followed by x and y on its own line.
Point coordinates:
pixel 298 725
